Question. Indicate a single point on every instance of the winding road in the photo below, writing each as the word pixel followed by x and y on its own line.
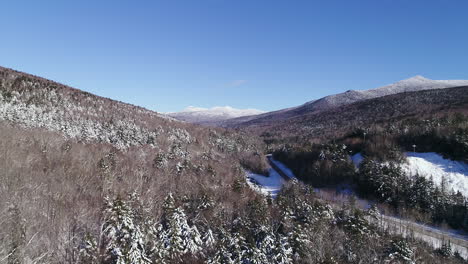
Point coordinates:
pixel 435 237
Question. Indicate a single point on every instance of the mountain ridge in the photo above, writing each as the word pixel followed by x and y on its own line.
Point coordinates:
pixel 416 83
pixel 199 115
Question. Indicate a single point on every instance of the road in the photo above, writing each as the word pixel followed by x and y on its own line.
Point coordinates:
pixel 434 236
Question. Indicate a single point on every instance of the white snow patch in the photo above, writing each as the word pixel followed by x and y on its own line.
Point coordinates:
pixel 270 185
pixel 433 166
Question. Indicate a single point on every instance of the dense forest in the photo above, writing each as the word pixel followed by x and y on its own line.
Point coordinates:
pixel 379 176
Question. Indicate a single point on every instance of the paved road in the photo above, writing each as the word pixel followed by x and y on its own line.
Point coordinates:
pixel 432 235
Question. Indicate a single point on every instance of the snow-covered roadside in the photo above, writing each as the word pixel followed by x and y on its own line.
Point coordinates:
pixel 433 236
pixel 270 185
pixel 281 166
pixel 433 166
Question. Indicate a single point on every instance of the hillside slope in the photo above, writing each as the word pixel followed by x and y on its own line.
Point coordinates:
pixel 417 83
pixel 340 120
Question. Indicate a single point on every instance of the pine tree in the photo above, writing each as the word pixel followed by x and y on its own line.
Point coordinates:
pixel 445 250
pixel 176 237
pixel 88 253
pixel 298 241
pixel 232 249
pixel 122 237
pixel 283 251
pixel 401 250
pixel 208 239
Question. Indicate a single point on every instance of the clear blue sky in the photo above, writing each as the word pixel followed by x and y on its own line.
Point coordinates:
pixel 166 55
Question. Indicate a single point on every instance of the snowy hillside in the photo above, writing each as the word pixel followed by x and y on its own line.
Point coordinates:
pixel 416 83
pixel 201 115
pixel 433 166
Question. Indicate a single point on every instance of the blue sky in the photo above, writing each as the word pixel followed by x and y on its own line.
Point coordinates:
pixel 166 55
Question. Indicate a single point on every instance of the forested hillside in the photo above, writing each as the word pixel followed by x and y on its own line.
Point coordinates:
pixel 319 149
pixel 85 179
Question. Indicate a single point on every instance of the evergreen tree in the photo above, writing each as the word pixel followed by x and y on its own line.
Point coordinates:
pixel 176 237
pixel 283 251
pixel 88 253
pixel 400 250
pixel 445 250
pixel 298 241
pixel 122 238
pixel 232 249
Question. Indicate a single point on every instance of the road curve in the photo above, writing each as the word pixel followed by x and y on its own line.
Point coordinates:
pixel 431 235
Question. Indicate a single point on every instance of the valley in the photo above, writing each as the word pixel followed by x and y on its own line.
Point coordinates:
pixel 434 236
pixel 234 132
pixel 98 180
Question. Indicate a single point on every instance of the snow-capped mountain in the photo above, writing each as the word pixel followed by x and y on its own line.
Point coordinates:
pixel 416 83
pixel 201 115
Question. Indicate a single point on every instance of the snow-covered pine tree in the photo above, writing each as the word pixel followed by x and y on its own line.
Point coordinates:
pixel 266 242
pixel 232 249
pixel 283 251
pixel 445 250
pixel 298 241
pixel 122 238
pixel 401 250
pixel 208 239
pixel 176 236
pixel 88 253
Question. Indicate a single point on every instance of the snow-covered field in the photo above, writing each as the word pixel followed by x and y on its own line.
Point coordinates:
pixel 433 166
pixel 272 184
pixel 455 173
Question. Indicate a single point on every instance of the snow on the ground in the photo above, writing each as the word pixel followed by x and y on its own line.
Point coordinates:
pixel 282 167
pixel 270 185
pixel 433 166
pixel 435 237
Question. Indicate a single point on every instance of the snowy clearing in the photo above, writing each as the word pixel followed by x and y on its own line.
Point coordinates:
pixel 270 185
pixel 433 166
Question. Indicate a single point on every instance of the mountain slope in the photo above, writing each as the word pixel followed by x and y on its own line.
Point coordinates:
pixel 417 83
pixel 387 109
pixel 34 102
pixel 213 115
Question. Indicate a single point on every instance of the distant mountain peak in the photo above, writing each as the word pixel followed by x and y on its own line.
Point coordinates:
pixel 418 77
pixel 412 84
pixel 202 115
